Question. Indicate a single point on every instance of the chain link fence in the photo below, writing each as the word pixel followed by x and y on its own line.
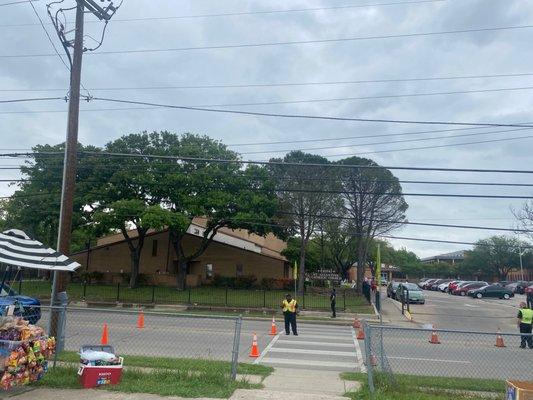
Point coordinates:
pixel 390 351
pixel 145 334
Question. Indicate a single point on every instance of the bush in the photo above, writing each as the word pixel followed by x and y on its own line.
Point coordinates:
pixel 245 282
pixel 91 277
pixel 223 281
pixel 268 284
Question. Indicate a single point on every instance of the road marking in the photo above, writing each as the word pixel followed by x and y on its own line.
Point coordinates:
pixel 331 337
pixel 317 352
pixel 430 359
pixel 358 354
pixel 471 305
pixel 309 363
pixel 310 343
pixel 266 350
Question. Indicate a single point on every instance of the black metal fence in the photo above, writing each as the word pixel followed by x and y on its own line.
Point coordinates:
pixel 347 299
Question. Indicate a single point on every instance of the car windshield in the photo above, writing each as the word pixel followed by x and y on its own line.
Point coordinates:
pixel 411 286
pixel 483 287
pixel 395 284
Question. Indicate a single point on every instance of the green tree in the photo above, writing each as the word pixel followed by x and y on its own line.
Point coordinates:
pixel 494 256
pixel 373 200
pixel 303 196
pixel 34 207
pixel 225 193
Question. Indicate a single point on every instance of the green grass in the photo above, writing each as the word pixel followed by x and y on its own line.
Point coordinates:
pixel 161 382
pixel 203 296
pixel 181 364
pixel 424 387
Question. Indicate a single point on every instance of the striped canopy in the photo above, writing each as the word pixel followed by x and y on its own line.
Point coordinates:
pixel 16 248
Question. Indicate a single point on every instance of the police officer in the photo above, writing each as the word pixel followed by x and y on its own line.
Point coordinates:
pixel 290 307
pixel 525 323
pixel 333 300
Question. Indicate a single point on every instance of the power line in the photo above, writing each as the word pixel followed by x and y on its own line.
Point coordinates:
pixel 336 217
pixel 279 84
pixel 47 34
pixel 287 43
pixel 244 13
pixel 32 99
pixel 386 142
pixel 16 2
pixel 314 117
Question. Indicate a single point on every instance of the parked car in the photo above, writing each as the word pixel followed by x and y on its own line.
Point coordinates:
pixel 444 286
pixel 435 285
pixel 415 294
pixel 453 285
pixel 491 291
pixel 426 283
pixel 512 285
pixel 529 289
pixel 27 307
pixel 422 283
pixel 521 286
pixel 463 289
pixel 391 289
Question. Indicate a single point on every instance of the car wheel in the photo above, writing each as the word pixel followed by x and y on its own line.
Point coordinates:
pixel 506 296
pixel 479 295
pixel 463 293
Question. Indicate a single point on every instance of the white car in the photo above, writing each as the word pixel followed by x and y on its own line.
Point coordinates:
pixel 443 287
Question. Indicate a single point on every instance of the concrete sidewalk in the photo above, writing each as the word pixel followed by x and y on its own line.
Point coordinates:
pixel 298 384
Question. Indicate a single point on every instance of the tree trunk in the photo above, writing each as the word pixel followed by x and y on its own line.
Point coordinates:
pixel 361 262
pixel 301 271
pixel 181 283
pixel 134 275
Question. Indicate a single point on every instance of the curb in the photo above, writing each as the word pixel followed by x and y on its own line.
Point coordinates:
pixel 408 316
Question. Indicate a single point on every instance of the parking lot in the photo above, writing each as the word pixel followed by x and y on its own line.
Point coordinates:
pixel 447 311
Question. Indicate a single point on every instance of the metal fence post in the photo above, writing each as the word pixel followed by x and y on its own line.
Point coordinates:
pixel 153 294
pixel 189 296
pixel 118 292
pixel 264 298
pixel 344 298
pixel 20 285
pixel 60 345
pixel 84 290
pixel 235 351
pixel 226 298
pixel 368 354
pixel 303 298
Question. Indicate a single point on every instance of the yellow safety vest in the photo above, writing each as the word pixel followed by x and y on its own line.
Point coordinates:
pixel 527 316
pixel 290 307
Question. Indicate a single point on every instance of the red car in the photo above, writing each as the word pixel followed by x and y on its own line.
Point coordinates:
pixel 463 289
pixel 453 285
pixel 528 290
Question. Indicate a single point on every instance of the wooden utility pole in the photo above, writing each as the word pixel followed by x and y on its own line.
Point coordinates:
pixel 60 279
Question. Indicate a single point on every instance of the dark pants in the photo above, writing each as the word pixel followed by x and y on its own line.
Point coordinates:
pixel 334 309
pixel 530 300
pixel 290 321
pixel 526 328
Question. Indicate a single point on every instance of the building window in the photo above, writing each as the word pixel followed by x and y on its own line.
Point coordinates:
pixel 239 270
pixel 209 271
pixel 154 248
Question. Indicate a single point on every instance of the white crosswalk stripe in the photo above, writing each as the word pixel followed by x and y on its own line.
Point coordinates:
pixel 316 347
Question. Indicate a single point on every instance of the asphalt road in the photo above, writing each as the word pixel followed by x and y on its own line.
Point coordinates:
pixel 446 311
pixel 472 354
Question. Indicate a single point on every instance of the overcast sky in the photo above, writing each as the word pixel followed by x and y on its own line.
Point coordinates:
pixel 479 53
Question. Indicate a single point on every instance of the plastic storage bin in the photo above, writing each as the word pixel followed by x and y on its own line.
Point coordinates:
pixel 519 390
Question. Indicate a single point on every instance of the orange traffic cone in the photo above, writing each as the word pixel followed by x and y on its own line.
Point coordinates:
pixel 434 338
pixel 360 334
pixel 273 328
pixel 499 339
pixel 105 336
pixel 140 321
pixel 356 323
pixel 254 352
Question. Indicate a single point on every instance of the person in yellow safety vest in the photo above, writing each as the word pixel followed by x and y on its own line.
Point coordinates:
pixel 290 308
pixel 525 324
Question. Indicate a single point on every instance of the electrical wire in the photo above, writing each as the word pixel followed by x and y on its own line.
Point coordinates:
pixel 335 217
pixel 313 117
pixel 280 84
pixel 265 12
pixel 31 99
pixel 286 43
pixel 16 2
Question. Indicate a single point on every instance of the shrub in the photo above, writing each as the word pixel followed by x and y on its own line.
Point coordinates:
pixel 268 284
pixel 223 281
pixel 245 282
